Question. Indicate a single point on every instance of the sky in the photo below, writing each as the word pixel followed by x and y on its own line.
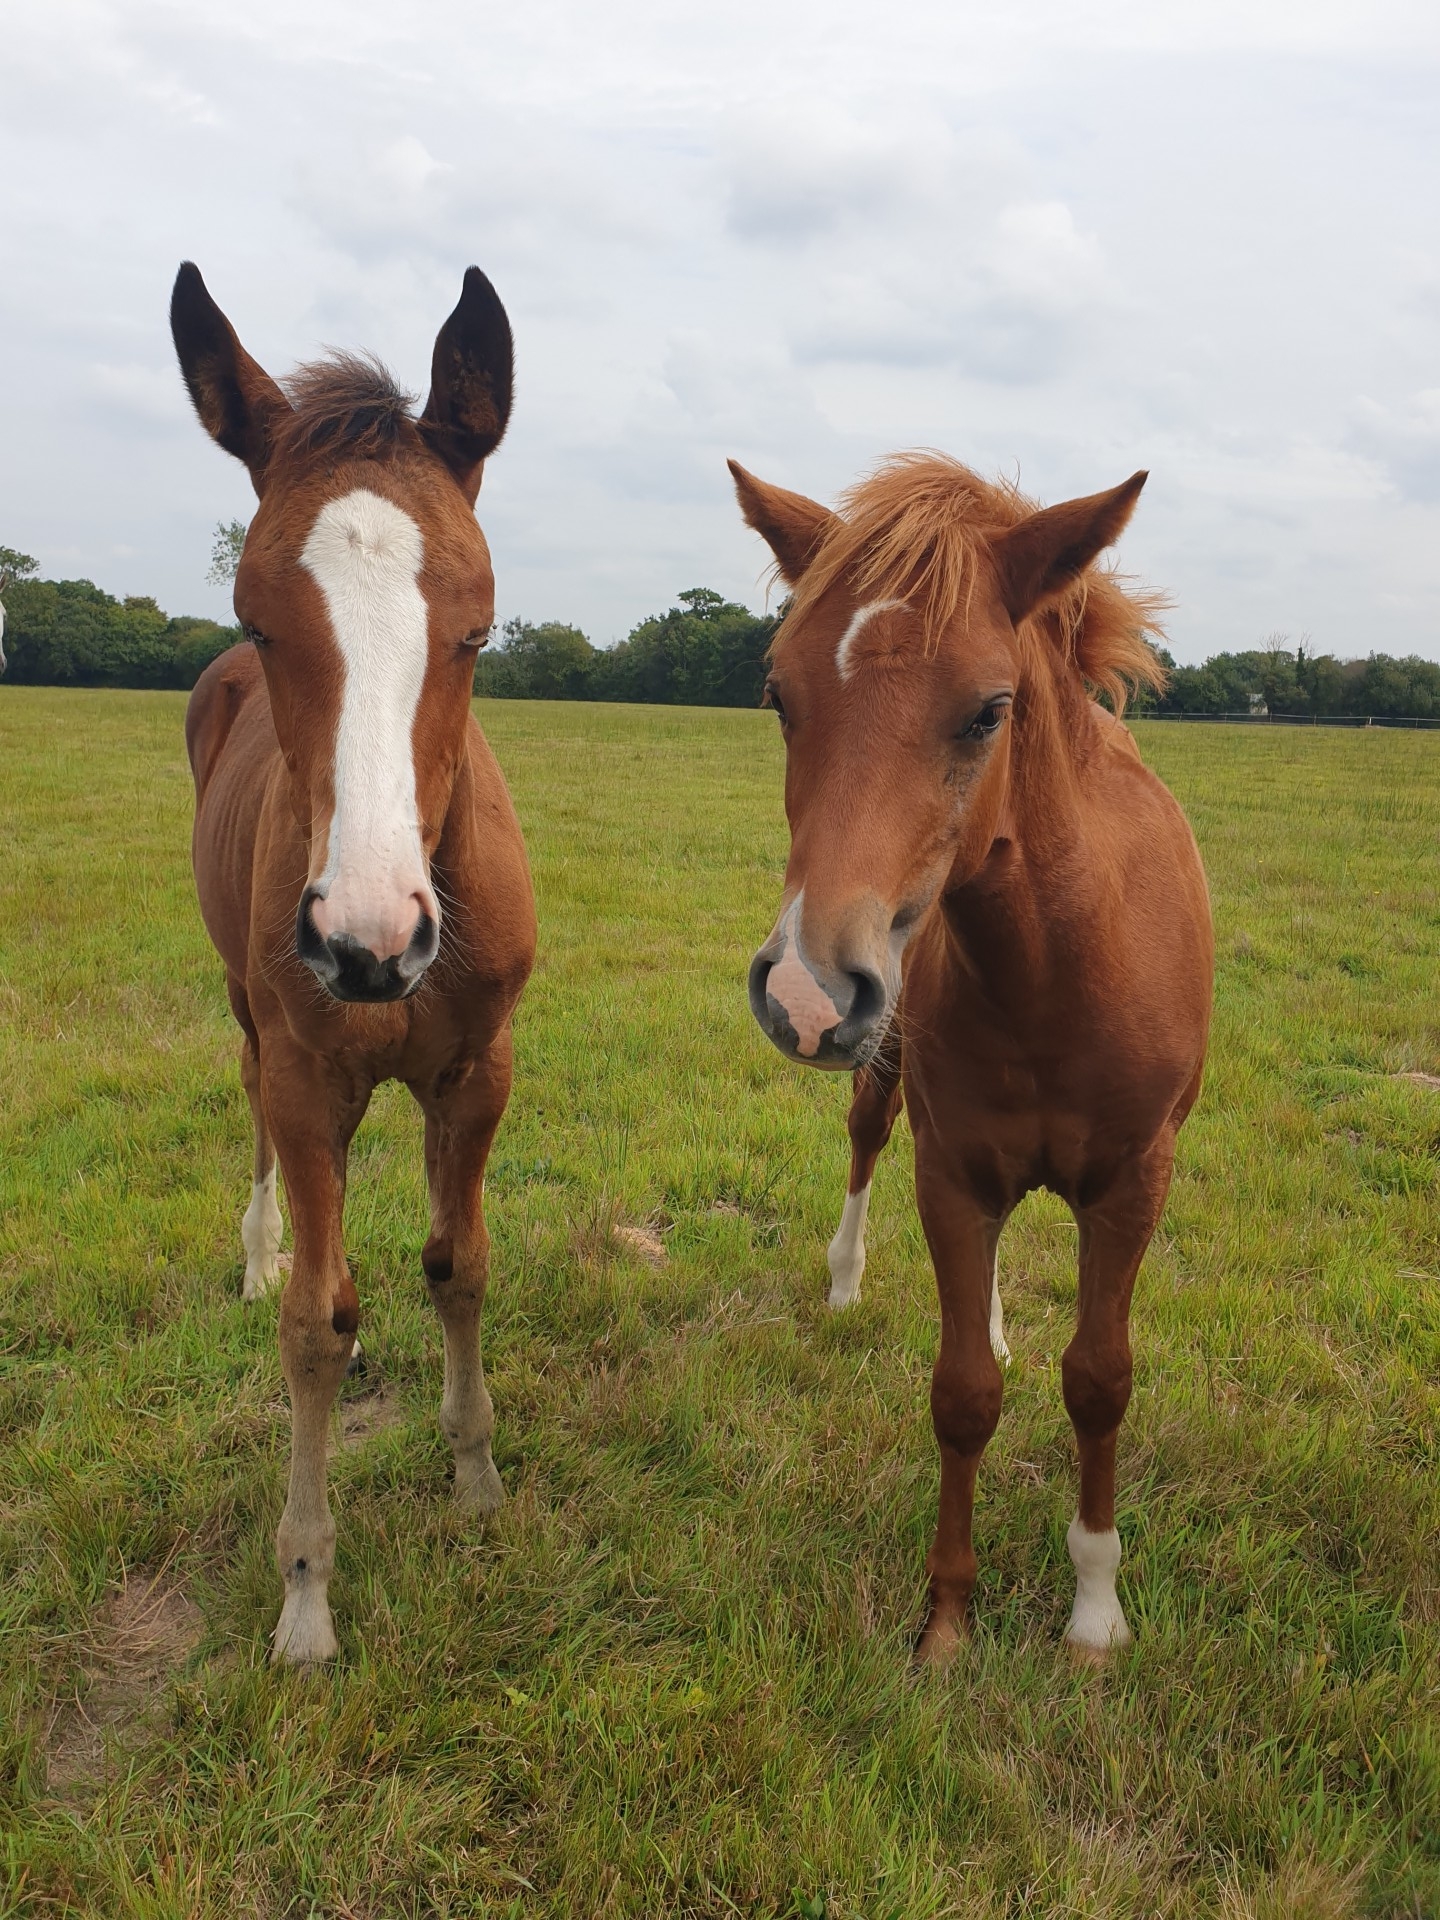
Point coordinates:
pixel 1057 238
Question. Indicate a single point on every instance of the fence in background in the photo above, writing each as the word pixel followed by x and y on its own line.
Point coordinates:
pixel 1296 719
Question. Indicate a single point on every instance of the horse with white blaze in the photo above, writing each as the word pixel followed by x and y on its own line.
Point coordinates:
pixel 359 864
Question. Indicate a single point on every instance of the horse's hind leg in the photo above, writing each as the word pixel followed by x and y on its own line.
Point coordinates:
pixel 1095 1371
pixel 874 1109
pixel 460 1123
pixel 261 1228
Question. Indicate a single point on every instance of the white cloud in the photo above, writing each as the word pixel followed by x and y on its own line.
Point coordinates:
pixel 1076 238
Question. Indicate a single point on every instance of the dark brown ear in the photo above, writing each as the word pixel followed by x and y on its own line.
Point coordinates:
pixel 237 401
pixel 793 525
pixel 472 377
pixel 1044 554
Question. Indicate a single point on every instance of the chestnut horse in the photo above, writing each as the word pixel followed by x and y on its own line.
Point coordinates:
pixel 358 861
pixel 966 820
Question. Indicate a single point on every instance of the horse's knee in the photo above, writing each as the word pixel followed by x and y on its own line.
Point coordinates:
pixel 965 1404
pixel 317 1334
pixel 1096 1383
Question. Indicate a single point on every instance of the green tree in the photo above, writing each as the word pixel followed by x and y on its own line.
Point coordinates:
pixel 707 651
pixel 225 551
pixel 542 660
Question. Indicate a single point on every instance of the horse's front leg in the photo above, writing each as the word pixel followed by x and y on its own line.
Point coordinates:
pixel 965 1390
pixel 874 1109
pixel 461 1115
pixel 312 1116
pixel 1095 1372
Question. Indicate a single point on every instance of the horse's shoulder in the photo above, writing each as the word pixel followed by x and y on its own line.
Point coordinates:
pixel 218 697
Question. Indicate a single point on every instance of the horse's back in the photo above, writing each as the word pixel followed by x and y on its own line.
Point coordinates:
pixel 230 739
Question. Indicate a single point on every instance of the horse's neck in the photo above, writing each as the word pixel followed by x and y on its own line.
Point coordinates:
pixel 1054 738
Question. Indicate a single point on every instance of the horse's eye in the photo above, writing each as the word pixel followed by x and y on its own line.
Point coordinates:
pixel 254 636
pixel 988 720
pixel 772 699
pixel 476 639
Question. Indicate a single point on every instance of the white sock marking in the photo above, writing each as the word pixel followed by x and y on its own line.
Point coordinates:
pixel 1097 1620
pixel 305 1631
pixel 846 1252
pixel 260 1234
pixel 365 554
pixel 859 620
pixel 998 1344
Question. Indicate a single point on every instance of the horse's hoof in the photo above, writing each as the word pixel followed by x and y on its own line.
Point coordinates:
pixel 478 1486
pixel 941 1639
pixel 304 1634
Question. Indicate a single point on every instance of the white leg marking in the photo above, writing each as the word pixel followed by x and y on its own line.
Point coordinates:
pixel 998 1344
pixel 305 1544
pixel 467 1419
pixel 1097 1621
pixel 260 1233
pixel 846 1252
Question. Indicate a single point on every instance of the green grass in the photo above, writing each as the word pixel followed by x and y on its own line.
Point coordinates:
pixel 670 1679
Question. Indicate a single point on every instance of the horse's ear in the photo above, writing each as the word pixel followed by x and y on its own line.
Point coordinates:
pixel 1046 553
pixel 471 381
pixel 793 526
pixel 237 401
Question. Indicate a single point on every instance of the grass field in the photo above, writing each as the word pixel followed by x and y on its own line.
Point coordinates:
pixel 670 1678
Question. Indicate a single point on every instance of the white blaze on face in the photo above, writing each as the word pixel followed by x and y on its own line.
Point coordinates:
pixel 365 554
pixel 859 620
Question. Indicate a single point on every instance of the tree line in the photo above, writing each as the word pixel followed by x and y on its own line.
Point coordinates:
pixel 706 651
pixel 71 633
pixel 1279 679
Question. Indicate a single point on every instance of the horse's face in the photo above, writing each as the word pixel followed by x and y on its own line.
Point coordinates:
pixel 898 763
pixel 367 597
pixel 366 586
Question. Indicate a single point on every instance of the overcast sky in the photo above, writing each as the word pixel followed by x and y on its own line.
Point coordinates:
pixel 1070 239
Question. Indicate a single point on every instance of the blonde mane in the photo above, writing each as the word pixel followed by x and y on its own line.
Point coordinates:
pixel 916 528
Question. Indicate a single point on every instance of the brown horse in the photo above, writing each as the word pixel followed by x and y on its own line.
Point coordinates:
pixel 359 865
pixel 965 818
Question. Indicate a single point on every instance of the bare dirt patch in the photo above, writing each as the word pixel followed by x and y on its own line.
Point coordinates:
pixel 370 1413
pixel 138 1639
pixel 1421 1079
pixel 644 1241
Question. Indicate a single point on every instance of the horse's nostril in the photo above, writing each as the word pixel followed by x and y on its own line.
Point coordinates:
pixel 867 1003
pixel 759 974
pixel 310 944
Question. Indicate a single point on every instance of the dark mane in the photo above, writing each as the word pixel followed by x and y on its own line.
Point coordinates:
pixel 349 404
pixel 914 529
